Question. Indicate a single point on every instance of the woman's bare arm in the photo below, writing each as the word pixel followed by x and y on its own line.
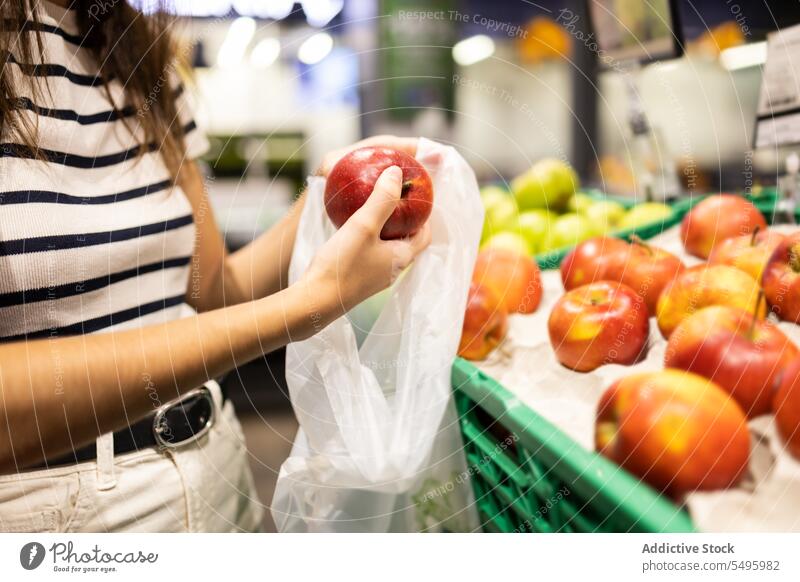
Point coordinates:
pixel 59 394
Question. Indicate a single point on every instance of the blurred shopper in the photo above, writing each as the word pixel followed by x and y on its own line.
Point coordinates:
pixel 110 419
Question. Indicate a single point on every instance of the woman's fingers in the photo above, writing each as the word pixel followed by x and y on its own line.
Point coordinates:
pixel 406 250
pixel 420 241
pixel 383 200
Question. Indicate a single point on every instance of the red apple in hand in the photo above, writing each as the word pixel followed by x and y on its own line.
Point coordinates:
pixel 600 323
pixel 676 430
pixel 749 253
pixel 703 286
pixel 588 261
pixel 513 277
pixel 718 218
pixel 645 269
pixel 485 323
pixel 745 356
pixel 786 406
pixel 353 178
pixel 782 279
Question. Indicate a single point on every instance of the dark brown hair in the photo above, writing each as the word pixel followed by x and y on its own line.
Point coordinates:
pixel 136 49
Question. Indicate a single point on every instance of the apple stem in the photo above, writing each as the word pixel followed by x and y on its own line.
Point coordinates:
pixel 405 188
pixel 637 240
pixel 759 299
pixel 755 234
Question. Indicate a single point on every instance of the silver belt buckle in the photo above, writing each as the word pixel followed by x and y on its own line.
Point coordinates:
pixel 162 430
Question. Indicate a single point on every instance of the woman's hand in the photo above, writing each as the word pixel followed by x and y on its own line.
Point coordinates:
pixel 404 144
pixel 356 263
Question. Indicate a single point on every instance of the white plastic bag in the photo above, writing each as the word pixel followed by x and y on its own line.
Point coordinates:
pixel 379 448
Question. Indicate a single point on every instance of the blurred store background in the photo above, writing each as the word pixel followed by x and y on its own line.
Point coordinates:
pixel 279 83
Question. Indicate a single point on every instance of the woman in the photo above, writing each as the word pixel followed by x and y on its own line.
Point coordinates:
pixel 110 419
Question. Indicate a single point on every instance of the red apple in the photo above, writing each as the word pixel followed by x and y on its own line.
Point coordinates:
pixel 745 356
pixel 718 218
pixel 782 279
pixel 485 323
pixel 749 253
pixel 353 178
pixel 513 277
pixel 786 406
pixel 703 286
pixel 588 261
pixel 676 430
pixel 645 269
pixel 599 323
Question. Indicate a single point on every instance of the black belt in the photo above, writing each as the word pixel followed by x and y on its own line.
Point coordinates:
pixel 174 424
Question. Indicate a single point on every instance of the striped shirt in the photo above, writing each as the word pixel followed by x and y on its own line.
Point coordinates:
pixel 93 237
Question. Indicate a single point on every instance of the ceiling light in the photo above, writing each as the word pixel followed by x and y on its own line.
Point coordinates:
pixel 265 53
pixel 321 12
pixel 239 35
pixel 315 48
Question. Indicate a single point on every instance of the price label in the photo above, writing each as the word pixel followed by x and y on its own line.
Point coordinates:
pixel 778 122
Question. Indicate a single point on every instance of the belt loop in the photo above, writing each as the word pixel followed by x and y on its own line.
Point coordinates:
pixel 105 462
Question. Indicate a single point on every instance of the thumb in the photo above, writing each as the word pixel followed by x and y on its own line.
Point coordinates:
pixel 383 200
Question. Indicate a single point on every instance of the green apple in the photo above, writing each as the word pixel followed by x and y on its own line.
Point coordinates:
pixel 568 230
pixel 645 213
pixel 605 215
pixel 509 240
pixel 534 226
pixel 500 211
pixel 580 203
pixel 548 184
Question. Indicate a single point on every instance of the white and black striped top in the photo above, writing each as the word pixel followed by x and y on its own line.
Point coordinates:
pixel 93 237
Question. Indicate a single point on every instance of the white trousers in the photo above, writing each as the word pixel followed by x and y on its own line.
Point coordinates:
pixel 205 486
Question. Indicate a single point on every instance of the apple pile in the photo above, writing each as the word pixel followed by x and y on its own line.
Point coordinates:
pixel 544 211
pixel 685 428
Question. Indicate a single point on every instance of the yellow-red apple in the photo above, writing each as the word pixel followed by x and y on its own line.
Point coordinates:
pixel 645 269
pixel 703 286
pixel 718 218
pixel 676 430
pixel 786 406
pixel 599 323
pixel 749 252
pixel 588 261
pixel 513 277
pixel 781 279
pixel 485 323
pixel 745 356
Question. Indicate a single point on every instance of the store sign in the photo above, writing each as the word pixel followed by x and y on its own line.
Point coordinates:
pixel 778 121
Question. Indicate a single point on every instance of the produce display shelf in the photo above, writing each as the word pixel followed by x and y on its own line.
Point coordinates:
pixel 552 259
pixel 528 476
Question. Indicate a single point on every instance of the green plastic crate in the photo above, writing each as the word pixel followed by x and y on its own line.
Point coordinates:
pixel 528 476
pixel 552 259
